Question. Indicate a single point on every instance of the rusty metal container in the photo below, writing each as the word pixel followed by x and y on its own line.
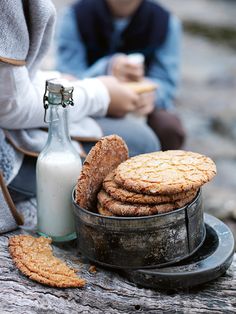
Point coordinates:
pixel 140 242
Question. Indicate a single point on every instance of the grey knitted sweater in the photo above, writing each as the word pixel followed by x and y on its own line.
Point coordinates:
pixel 7 157
pixel 26 32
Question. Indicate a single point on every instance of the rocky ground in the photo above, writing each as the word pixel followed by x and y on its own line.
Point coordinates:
pixel 207 98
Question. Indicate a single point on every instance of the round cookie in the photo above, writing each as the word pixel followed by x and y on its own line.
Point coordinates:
pixel 104 212
pixel 104 157
pixel 122 195
pixel 126 209
pixel 168 172
pixel 34 258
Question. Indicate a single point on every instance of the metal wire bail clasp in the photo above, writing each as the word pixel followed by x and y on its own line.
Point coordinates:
pixel 67 97
pixel 57 87
pixel 45 102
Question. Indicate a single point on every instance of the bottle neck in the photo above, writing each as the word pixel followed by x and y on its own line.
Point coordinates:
pixel 58 131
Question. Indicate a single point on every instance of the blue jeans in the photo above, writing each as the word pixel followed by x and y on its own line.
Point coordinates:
pixel 138 136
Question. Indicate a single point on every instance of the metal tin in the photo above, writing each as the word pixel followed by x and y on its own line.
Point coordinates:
pixel 140 242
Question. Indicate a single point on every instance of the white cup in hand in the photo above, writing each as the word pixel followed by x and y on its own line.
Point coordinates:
pixel 136 58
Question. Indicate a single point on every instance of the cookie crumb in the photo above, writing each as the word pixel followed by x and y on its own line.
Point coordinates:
pixel 92 269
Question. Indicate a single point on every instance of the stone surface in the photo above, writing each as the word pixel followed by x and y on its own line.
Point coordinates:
pixel 209 12
pixel 106 291
pixel 224 123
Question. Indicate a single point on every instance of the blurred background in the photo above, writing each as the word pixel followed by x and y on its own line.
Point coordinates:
pixel 207 95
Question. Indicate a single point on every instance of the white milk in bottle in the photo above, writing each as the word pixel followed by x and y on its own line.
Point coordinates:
pixel 58 167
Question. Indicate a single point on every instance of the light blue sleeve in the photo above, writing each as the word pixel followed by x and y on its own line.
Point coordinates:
pixel 165 69
pixel 71 51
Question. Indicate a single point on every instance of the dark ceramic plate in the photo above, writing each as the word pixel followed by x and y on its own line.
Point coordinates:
pixel 208 263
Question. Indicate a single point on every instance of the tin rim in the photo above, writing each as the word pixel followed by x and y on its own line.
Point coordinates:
pixel 133 217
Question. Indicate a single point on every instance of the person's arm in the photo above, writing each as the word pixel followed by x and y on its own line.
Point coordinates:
pixel 71 51
pixel 165 70
pixel 21 99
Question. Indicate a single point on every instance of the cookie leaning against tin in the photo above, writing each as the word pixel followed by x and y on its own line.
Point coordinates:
pixel 122 195
pixel 104 157
pixel 168 172
pixel 34 258
pixel 127 209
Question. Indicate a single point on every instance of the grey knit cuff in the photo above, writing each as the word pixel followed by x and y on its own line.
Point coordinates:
pixel 9 217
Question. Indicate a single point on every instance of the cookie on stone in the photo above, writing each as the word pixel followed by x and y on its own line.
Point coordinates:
pixel 105 156
pixel 168 172
pixel 34 258
pixel 123 195
pixel 127 209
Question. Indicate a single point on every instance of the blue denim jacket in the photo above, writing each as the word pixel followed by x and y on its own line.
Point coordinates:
pixel 165 71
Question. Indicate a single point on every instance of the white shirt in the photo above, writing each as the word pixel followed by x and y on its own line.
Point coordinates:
pixel 21 101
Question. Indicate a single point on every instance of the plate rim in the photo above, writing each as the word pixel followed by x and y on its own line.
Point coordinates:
pixel 225 259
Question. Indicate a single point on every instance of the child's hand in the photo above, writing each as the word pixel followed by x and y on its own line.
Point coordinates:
pixel 123 99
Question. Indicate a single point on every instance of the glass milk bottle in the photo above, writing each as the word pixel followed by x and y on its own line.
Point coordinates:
pixel 58 166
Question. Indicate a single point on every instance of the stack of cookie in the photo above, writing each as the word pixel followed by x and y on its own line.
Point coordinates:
pixel 154 183
pixel 147 184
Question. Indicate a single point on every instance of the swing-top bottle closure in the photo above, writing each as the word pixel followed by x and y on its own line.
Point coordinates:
pixel 61 89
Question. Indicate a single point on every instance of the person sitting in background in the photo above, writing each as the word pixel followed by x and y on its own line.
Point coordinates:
pixel 95 37
pixel 26 32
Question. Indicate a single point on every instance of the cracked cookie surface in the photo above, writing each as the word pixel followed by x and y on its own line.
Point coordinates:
pixel 117 208
pixel 104 212
pixel 34 258
pixel 123 195
pixel 168 172
pixel 104 157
